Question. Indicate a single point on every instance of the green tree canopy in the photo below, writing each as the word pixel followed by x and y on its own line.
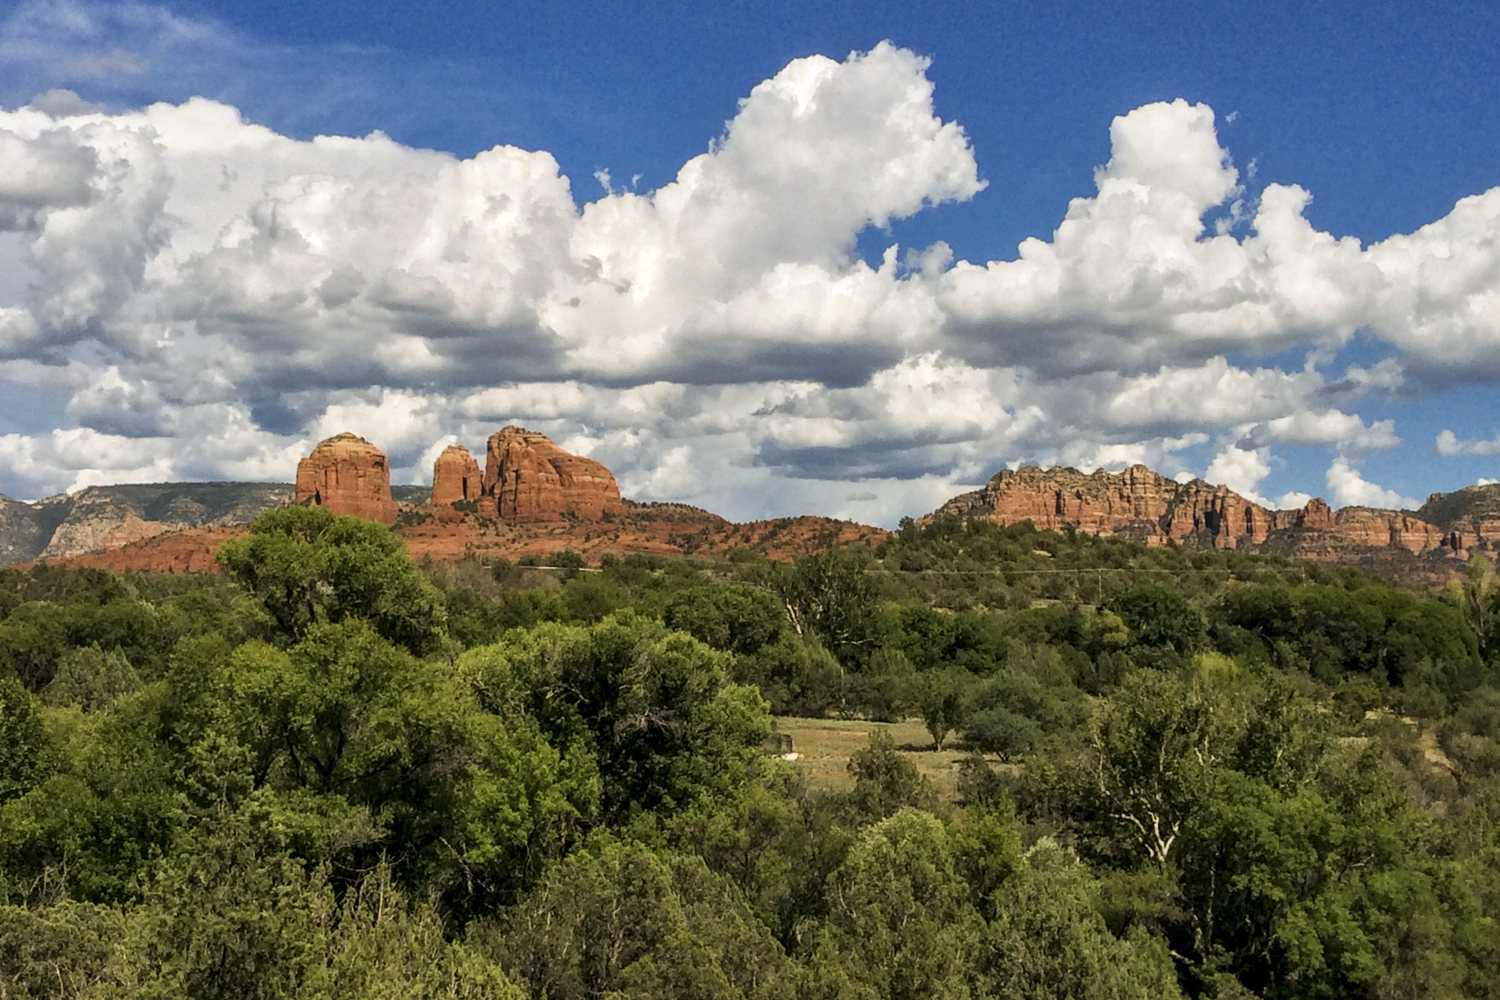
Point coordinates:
pixel 654 707
pixel 1049 940
pixel 306 565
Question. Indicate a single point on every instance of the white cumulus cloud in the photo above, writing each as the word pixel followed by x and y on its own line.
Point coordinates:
pixel 1350 489
pixel 1449 443
pixel 1241 470
pixel 212 296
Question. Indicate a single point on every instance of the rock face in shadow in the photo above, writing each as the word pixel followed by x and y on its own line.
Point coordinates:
pixel 107 517
pixel 528 478
pixel 1471 514
pixel 23 535
pixel 348 475
pixel 456 476
pixel 1140 504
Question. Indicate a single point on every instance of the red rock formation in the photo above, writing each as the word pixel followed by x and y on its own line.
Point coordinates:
pixel 1316 515
pixel 450 534
pixel 1136 502
pixel 1149 507
pixel 1387 529
pixel 185 550
pixel 1216 514
pixel 1471 515
pixel 1099 503
pixel 348 475
pixel 1480 534
pixel 530 479
pixel 456 476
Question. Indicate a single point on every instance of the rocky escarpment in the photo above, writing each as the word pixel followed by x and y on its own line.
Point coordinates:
pixel 1136 503
pixel 1143 505
pixel 26 529
pixel 348 475
pixel 104 517
pixel 1377 528
pixel 528 478
pixel 445 533
pixel 19 533
pixel 1471 514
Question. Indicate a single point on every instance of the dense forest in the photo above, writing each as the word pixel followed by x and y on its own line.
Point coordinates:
pixel 333 772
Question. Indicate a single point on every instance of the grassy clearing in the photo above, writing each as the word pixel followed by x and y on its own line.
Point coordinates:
pixel 824 747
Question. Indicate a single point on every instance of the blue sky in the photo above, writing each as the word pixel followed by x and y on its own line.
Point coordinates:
pixel 1388 112
pixel 750 399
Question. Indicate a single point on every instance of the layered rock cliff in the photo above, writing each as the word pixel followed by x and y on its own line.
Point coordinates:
pixel 528 478
pixel 348 475
pixel 23 534
pixel 1143 505
pixel 105 517
pixel 1471 515
pixel 1137 503
pixel 1376 528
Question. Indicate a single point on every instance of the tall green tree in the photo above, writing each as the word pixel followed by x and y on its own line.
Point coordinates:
pixel 1048 939
pixel 306 565
pixel 829 595
pixel 734 617
pixel 1159 617
pixel 901 926
pixel 1477 594
pixel 471 801
pixel 24 742
pixel 942 698
pixel 616 919
pixel 655 708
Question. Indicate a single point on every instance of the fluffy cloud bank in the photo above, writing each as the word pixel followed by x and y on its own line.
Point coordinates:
pixel 1449 443
pixel 210 297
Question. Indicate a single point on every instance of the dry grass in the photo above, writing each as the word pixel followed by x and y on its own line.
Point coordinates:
pixel 824 747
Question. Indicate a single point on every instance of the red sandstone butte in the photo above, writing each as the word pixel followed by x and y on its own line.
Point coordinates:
pixel 348 475
pixel 456 476
pixel 529 478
